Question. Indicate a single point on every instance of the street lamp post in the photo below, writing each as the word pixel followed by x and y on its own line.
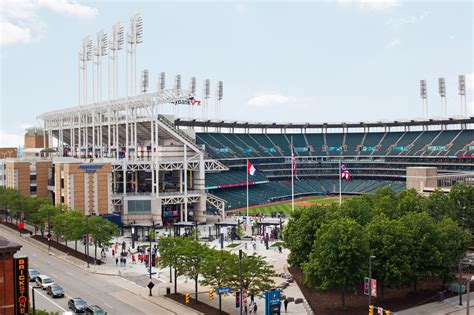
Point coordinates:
pixel 149 258
pixel 241 280
pixel 86 245
pixel 460 283
pixel 49 231
pixel 370 278
pixel 33 298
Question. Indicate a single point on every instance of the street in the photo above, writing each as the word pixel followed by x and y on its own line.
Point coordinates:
pixel 109 292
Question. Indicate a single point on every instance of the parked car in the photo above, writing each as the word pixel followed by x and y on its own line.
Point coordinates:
pixel 95 310
pixel 55 290
pixel 33 274
pixel 77 304
pixel 44 281
pixel 468 260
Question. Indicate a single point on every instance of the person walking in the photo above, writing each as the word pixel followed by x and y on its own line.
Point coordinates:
pixel 251 308
pixel 255 308
pixel 285 303
pixel 116 261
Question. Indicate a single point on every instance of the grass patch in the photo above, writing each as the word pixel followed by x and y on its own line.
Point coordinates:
pixel 285 207
pixel 233 245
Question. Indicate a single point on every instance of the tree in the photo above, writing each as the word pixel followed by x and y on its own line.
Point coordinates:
pixel 102 231
pixel 256 275
pixel 388 241
pixel 338 257
pixel 300 232
pixel 438 205
pixel 409 200
pixel 462 198
pixel 358 208
pixel 45 213
pixel 384 200
pixel 192 254
pixel 170 256
pixel 8 197
pixel 218 270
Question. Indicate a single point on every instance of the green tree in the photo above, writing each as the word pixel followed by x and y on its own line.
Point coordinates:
pixel 384 200
pixel 338 256
pixel 358 208
pixel 171 256
pixel 8 197
pixel 388 241
pixel 462 198
pixel 300 232
pixel 192 254
pixel 256 275
pixel 438 205
pixel 218 270
pixel 409 200
pixel 45 213
pixel 102 231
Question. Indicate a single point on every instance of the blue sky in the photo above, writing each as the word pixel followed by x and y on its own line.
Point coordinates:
pixel 280 61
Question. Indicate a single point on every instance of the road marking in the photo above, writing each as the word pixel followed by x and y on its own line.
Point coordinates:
pixel 108 306
pixel 69 273
pixel 54 275
pixel 34 255
pixel 52 302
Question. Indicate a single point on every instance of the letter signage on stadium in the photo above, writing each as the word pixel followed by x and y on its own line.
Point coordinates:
pixel 21 285
pixel 90 168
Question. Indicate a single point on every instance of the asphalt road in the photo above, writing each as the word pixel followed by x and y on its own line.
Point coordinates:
pixel 106 291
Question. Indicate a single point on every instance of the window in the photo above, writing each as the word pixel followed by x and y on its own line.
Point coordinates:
pixel 139 206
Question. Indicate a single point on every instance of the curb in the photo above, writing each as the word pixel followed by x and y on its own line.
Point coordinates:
pixel 189 309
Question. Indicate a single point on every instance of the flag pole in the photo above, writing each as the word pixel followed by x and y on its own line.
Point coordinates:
pixel 247 190
pixel 292 178
pixel 340 182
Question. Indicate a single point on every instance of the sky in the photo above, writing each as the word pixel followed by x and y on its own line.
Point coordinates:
pixel 295 61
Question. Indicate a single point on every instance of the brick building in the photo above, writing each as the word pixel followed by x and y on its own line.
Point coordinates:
pixel 7 276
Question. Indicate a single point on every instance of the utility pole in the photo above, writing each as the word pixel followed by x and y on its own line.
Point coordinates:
pixel 150 285
pixel 87 240
pixel 241 280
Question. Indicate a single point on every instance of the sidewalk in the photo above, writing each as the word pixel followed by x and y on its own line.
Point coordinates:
pixel 447 307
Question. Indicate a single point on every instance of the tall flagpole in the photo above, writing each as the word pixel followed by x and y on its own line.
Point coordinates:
pixel 340 182
pixel 292 178
pixel 247 170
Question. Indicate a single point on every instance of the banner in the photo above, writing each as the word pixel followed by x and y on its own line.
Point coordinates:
pixel 21 285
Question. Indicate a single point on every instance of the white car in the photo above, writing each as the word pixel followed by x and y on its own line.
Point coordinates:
pixel 44 281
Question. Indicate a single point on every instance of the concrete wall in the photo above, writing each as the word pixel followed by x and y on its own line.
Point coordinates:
pixel 421 177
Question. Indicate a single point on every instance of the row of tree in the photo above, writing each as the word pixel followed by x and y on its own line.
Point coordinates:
pixel 65 223
pixel 412 236
pixel 217 268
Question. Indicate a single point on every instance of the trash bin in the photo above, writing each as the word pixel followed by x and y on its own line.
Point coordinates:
pixel 168 291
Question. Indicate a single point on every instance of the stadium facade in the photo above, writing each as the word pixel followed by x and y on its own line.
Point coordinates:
pixel 179 170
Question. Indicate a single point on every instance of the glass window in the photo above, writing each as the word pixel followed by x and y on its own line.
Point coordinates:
pixel 139 206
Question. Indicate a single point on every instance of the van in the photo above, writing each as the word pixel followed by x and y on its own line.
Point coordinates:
pixel 44 281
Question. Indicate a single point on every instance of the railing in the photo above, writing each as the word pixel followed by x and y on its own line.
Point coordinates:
pixel 446 181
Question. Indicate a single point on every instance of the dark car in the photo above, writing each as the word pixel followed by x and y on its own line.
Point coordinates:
pixel 95 310
pixel 55 290
pixel 33 274
pixel 78 305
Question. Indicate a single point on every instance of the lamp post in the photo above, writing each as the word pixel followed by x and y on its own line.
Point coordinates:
pixel 241 280
pixel 150 256
pixel 33 298
pixel 460 282
pixel 370 278
pixel 49 231
pixel 86 245
pixel 468 291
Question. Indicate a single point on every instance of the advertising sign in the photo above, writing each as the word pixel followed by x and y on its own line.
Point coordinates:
pixel 21 285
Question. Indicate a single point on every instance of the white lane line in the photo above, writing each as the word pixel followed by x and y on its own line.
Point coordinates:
pixel 34 255
pixel 57 276
pixel 52 302
pixel 108 306
pixel 69 273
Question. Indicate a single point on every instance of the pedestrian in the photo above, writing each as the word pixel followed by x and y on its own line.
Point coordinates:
pixel 125 262
pixel 285 303
pixel 279 249
pixel 133 259
pixel 255 307
pixel 116 261
pixel 251 308
pixel 113 252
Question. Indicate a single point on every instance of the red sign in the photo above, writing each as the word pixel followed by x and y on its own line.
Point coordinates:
pixel 373 288
pixel 21 225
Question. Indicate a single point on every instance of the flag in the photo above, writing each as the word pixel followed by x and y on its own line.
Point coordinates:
pixel 345 173
pixel 293 161
pixel 251 169
pixel 194 101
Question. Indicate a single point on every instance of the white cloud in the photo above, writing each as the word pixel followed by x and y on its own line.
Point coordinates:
pixel 372 5
pixel 393 43
pixel 268 100
pixel 397 23
pixel 69 8
pixel 20 23
pixel 10 139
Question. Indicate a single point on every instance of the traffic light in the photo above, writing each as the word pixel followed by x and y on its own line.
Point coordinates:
pixel 84 239
pixel 371 310
pixel 387 312
pixel 211 294
pixel 187 297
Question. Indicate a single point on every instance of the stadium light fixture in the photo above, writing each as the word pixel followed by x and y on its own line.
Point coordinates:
pixel 145 81
pixel 161 82
pixel 442 93
pixel 424 96
pixel 462 93
pixel 192 85
pixel 177 83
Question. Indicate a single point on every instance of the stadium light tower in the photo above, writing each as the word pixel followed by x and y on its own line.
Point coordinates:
pixel 145 81
pixel 100 50
pixel 219 95
pixel 85 55
pixel 206 92
pixel 442 94
pixel 424 100
pixel 177 90
pixel 192 90
pixel 134 37
pixel 115 44
pixel 462 93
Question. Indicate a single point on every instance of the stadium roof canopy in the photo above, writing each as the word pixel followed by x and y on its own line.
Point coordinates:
pixel 362 124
